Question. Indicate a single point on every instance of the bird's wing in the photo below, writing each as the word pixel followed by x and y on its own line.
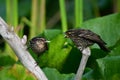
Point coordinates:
pixel 91 36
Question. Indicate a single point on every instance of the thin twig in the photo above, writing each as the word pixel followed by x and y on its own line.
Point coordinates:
pixel 85 55
pixel 20 49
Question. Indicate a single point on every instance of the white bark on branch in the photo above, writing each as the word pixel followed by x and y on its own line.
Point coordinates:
pixel 20 49
pixel 85 55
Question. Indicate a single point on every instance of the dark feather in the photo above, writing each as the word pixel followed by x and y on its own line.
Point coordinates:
pixel 84 38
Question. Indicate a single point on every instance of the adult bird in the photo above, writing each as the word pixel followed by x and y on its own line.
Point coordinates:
pixel 83 38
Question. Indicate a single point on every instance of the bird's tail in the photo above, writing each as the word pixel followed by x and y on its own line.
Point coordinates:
pixel 103 47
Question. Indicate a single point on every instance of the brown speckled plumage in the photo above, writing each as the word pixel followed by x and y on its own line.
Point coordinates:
pixel 38 45
pixel 84 38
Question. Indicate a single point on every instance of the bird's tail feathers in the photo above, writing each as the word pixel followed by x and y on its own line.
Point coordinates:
pixel 103 47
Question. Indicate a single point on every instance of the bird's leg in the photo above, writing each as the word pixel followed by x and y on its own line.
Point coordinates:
pixel 85 55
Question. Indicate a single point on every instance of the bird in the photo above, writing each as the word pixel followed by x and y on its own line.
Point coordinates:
pixel 38 45
pixel 84 38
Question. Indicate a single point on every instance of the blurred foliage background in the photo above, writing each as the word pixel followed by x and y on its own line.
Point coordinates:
pixel 50 19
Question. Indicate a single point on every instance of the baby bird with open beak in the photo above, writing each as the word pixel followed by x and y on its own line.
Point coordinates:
pixel 38 45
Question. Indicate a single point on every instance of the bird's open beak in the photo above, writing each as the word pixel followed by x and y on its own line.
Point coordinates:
pixel 47 41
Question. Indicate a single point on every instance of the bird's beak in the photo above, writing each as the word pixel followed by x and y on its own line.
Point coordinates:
pixel 47 41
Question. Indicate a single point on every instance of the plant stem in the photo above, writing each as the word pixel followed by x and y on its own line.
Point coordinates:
pixel 63 15
pixel 95 8
pixel 33 18
pixel 85 55
pixel 78 13
pixel 42 12
pixel 12 12
pixel 37 17
pixel 12 19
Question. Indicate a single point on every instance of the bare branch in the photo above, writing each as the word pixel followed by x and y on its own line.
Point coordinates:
pixel 20 49
pixel 85 55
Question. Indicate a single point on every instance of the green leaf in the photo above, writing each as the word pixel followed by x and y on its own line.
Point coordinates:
pixel 53 74
pixel 116 50
pixel 16 72
pixel 110 65
pixel 108 27
pixel 6 60
pixel 51 33
pixel 89 74
pixel 57 53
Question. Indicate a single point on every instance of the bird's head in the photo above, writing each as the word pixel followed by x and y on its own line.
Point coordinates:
pixel 38 44
pixel 70 33
pixel 38 41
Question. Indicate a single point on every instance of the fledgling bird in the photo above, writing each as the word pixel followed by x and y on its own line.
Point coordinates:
pixel 38 45
pixel 83 38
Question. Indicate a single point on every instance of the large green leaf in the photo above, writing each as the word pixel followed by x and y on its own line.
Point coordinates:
pixel 110 65
pixel 51 33
pixel 53 74
pixel 108 27
pixel 57 53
